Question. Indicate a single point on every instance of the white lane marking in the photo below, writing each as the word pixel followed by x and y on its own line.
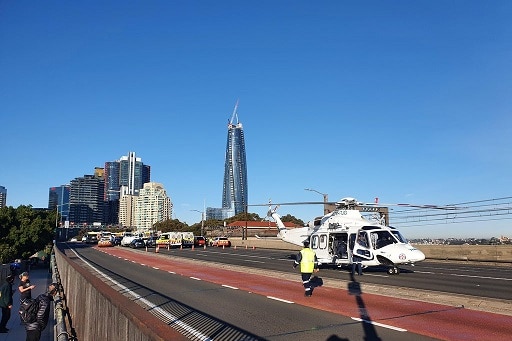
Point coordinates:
pixel 197 279
pixel 484 277
pixel 229 286
pixel 168 315
pixel 252 261
pixel 279 299
pixel 379 324
pixel 156 268
pixel 172 272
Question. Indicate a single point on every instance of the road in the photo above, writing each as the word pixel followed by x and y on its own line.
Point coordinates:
pixel 266 303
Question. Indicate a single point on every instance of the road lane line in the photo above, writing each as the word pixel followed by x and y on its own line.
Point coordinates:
pixel 229 286
pixel 279 299
pixel 379 324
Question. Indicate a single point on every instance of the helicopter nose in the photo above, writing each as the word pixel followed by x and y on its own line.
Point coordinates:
pixel 417 255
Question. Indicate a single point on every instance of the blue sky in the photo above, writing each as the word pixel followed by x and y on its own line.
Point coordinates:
pixel 408 101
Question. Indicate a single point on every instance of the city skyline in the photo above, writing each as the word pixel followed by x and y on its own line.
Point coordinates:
pixel 404 101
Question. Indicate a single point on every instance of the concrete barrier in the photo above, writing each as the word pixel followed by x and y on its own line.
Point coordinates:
pixel 473 253
pixel 99 312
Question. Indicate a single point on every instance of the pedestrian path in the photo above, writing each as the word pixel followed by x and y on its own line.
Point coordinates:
pixel 41 278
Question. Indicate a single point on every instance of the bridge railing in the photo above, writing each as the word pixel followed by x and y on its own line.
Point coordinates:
pixel 99 312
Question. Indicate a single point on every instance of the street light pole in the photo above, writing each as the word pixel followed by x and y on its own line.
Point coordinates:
pixel 202 221
pixel 325 195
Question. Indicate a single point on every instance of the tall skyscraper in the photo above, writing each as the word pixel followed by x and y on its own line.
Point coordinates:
pixel 125 176
pixel 234 190
pixel 58 198
pixel 3 196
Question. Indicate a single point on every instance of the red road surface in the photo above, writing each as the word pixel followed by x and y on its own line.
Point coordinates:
pixel 435 320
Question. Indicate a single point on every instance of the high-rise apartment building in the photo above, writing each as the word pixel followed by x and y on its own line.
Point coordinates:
pixel 152 206
pixel 125 176
pixel 127 211
pixel 3 196
pixel 58 198
pixel 234 190
pixel 86 199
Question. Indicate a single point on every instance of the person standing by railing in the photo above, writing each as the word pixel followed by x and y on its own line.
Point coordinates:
pixel 34 329
pixel 25 287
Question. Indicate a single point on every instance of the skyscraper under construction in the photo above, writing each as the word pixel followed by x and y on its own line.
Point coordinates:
pixel 234 190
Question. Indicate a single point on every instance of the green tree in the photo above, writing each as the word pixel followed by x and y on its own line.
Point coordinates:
pixel 24 231
pixel 171 225
pixel 292 219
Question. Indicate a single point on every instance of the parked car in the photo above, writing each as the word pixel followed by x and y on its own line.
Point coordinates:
pixel 105 242
pixel 117 240
pixel 151 241
pixel 199 241
pixel 220 241
pixel 137 243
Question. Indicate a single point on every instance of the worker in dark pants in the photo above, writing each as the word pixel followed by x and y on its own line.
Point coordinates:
pixel 308 264
pixel 6 302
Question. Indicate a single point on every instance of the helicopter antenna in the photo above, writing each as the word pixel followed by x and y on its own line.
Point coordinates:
pixel 235 113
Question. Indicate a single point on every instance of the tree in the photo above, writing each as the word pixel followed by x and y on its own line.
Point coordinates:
pixel 171 225
pixel 292 219
pixel 24 231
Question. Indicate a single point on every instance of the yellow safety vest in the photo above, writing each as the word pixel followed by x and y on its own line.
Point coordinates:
pixel 307 263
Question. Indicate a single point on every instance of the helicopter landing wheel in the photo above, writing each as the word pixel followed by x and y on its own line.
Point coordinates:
pixel 394 271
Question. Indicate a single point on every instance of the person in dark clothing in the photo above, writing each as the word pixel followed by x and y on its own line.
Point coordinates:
pixel 25 287
pixel 357 265
pixel 308 264
pixel 6 302
pixel 34 329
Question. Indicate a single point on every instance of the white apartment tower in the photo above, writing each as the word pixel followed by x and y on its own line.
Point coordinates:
pixel 152 206
pixel 127 211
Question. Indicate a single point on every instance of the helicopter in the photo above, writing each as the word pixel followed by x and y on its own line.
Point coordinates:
pixel 344 232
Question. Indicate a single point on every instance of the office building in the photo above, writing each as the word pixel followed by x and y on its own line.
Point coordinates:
pixel 58 199
pixel 125 176
pixel 3 196
pixel 152 206
pixel 234 190
pixel 86 200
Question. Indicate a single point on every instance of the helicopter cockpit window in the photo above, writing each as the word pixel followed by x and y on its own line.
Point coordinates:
pixel 382 238
pixel 362 239
pixel 399 236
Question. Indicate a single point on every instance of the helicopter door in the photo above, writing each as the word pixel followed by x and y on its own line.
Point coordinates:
pixel 362 246
pixel 319 244
pixel 338 245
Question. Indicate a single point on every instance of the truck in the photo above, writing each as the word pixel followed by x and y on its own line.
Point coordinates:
pixel 178 239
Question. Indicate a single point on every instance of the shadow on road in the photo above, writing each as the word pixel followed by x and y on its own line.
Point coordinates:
pixel 354 288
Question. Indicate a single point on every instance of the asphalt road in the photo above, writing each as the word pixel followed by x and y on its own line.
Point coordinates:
pixel 473 279
pixel 232 314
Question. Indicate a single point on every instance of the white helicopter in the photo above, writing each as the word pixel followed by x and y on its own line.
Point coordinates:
pixel 338 235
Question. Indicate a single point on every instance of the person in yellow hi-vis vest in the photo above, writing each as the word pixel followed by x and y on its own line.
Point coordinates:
pixel 308 264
